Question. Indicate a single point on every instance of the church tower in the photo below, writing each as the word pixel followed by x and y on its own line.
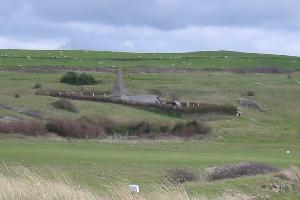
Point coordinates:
pixel 119 91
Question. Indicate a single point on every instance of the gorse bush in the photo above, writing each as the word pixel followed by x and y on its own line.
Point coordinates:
pixel 69 78
pixel 176 175
pixel 131 128
pixel 65 105
pixel 189 129
pixel 37 86
pixel 29 128
pixel 250 93
pixel 238 170
pixel 82 128
pixel 100 128
pixel 85 79
pixel 74 78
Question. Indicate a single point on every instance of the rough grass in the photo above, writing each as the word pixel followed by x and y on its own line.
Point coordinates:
pixel 22 183
pixel 291 174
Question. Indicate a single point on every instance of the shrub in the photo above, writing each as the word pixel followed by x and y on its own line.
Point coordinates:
pixel 37 86
pixel 139 128
pixel 17 96
pixel 189 129
pixel 85 79
pixel 238 170
pixel 82 128
pixel 199 127
pixel 250 93
pixel 164 128
pixel 42 92
pixel 69 78
pixel 180 175
pixel 65 105
pixel 74 78
pixel 211 108
pixel 29 128
pixel 132 128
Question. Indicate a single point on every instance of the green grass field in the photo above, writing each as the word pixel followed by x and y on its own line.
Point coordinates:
pixel 98 163
pixel 216 59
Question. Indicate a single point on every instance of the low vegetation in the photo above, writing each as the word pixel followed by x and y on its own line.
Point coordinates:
pixel 74 78
pixel 176 175
pixel 250 93
pixel 29 128
pixel 65 105
pixel 82 128
pixel 189 129
pixel 37 86
pixel 239 169
pixel 23 183
pixel 87 128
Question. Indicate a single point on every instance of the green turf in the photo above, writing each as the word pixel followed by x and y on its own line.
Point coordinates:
pixel 98 163
pixel 205 59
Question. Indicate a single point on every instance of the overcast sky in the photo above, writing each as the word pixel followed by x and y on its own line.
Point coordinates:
pixel 268 26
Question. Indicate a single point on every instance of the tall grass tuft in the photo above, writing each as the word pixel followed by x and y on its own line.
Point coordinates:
pixel 21 183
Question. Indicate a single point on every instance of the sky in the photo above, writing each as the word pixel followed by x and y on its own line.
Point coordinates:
pixel 265 26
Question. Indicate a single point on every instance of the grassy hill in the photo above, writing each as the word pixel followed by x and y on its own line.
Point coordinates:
pixel 256 136
pixel 215 59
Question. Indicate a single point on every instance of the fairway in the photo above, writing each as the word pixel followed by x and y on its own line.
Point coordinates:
pixel 98 163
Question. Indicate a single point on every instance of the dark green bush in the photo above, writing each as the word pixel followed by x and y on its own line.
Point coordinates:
pixel 86 79
pixel 190 129
pixel 37 86
pixel 74 78
pixel 65 105
pixel 250 93
pixel 69 78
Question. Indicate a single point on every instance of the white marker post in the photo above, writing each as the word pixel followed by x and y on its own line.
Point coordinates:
pixel 134 188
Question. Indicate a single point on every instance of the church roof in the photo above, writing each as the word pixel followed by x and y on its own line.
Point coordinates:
pixel 143 98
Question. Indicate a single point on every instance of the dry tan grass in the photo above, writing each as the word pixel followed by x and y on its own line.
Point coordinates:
pixel 292 174
pixel 21 183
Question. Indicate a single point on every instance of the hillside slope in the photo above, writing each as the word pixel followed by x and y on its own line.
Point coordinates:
pixel 205 59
